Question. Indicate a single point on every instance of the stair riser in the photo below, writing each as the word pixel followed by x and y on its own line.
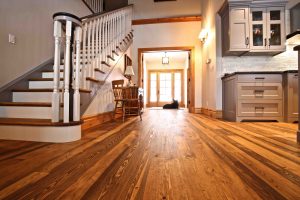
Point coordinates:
pixel 42 84
pixel 32 97
pixel 25 112
pixel 51 75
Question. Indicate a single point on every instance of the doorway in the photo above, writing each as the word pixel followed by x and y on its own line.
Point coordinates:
pixel 165 81
pixel 164 86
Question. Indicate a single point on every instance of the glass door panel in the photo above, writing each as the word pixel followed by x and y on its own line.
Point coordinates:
pixel 257 16
pixel 258 29
pixel 275 34
pixel 177 86
pixel 153 87
pixel 165 87
pixel 257 35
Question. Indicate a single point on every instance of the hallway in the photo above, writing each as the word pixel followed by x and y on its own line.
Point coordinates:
pixel 169 155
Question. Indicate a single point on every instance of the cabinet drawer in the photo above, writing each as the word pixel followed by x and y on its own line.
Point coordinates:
pixel 260 78
pixel 260 108
pixel 259 90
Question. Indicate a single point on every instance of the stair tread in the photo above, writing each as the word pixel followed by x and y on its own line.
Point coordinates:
pixel 26 104
pixel 99 70
pixel 51 70
pixel 34 122
pixel 110 57
pixel 105 63
pixel 46 90
pixel 94 80
pixel 43 79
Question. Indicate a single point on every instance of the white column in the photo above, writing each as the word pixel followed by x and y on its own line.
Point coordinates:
pixel 56 68
pixel 76 103
pixel 67 72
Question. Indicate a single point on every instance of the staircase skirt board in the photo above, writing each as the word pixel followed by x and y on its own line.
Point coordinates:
pixel 55 134
pixel 25 112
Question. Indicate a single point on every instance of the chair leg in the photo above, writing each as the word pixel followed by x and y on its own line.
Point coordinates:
pixel 123 107
pixel 139 111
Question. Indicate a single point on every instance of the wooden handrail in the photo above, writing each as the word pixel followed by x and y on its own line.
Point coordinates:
pixel 92 16
pixel 166 20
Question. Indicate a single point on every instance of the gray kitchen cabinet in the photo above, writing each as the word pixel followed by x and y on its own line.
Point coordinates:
pixel 253 27
pixel 290 84
pixel 253 96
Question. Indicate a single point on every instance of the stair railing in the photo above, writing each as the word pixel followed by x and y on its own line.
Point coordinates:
pixel 96 6
pixel 95 40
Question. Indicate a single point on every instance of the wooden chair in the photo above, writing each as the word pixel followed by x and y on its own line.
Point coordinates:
pixel 132 102
pixel 117 86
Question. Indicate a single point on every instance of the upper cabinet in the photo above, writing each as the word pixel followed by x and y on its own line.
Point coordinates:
pixel 252 29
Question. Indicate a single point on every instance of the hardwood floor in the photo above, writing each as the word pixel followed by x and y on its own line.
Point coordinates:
pixel 169 155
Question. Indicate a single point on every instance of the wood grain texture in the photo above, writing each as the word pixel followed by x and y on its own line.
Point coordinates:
pixel 168 155
pixel 166 20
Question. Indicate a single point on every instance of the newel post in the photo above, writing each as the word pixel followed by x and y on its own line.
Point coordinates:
pixel 68 23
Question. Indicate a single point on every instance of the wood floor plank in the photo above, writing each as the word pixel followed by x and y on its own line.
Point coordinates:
pixel 171 154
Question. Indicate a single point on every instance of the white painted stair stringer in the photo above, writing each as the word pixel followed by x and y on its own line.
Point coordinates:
pixel 56 134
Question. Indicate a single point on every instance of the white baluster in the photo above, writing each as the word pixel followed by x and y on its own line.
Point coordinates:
pixel 67 72
pixel 56 69
pixel 76 105
pixel 97 43
pixel 93 50
pixel 84 58
pixel 88 64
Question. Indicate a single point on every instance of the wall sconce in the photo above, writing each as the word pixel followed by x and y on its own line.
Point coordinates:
pixel 203 35
pixel 165 59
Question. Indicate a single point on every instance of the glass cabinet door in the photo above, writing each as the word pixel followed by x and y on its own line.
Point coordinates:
pixel 258 28
pixel 275 28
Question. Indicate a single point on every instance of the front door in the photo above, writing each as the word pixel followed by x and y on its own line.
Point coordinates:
pixel 164 86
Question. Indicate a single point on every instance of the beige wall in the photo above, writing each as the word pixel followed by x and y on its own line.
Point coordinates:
pixel 170 35
pixel 144 9
pixel 31 22
pixel 209 49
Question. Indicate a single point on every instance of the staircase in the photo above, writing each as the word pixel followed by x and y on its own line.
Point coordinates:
pixel 47 106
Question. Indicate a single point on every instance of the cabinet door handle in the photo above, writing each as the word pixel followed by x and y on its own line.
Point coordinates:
pixel 247 41
pixel 265 42
pixel 261 108
pixel 259 91
pixel 259 78
pixel 296 75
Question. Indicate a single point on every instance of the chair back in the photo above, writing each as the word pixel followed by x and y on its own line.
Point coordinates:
pixel 117 86
pixel 131 92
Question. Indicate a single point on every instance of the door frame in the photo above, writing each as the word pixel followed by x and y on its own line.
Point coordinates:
pixel 190 72
pixel 181 103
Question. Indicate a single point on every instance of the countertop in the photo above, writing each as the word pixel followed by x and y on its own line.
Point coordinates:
pixel 259 72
